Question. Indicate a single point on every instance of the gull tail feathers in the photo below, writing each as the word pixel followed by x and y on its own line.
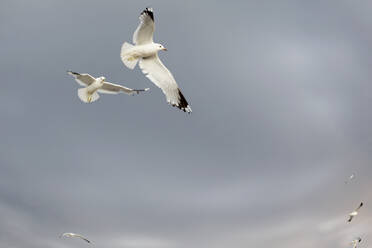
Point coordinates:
pixel 86 97
pixel 128 60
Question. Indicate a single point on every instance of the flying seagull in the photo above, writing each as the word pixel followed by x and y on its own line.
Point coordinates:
pixel 355 212
pixel 74 235
pixel 93 86
pixel 146 52
pixel 356 241
pixel 351 177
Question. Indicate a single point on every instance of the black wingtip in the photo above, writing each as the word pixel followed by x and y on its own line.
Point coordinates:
pixel 148 11
pixel 183 104
pixel 73 73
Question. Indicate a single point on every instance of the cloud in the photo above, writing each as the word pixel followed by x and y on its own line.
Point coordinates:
pixel 280 99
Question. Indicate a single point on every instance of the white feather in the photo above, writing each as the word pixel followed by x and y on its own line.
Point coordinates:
pixel 155 70
pixel 145 30
pixel 84 95
pixel 127 59
pixel 93 86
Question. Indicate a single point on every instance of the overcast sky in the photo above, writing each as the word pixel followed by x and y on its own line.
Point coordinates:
pixel 281 99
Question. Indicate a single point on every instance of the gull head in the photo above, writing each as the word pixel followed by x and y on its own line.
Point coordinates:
pixel 100 81
pixel 160 47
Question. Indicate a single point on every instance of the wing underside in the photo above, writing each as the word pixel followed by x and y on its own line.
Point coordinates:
pixel 145 30
pixel 155 70
pixel 82 79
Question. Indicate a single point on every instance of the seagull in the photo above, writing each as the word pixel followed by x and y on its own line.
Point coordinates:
pixel 351 177
pixel 355 212
pixel 356 241
pixel 93 86
pixel 74 235
pixel 146 52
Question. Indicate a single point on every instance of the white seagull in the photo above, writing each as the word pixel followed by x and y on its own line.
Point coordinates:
pixel 356 241
pixel 74 235
pixel 351 177
pixel 93 86
pixel 146 51
pixel 355 212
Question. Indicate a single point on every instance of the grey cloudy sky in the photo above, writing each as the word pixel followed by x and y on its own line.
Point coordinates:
pixel 281 96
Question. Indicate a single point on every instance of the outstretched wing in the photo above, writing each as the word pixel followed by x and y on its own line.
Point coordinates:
pixel 361 205
pixel 75 235
pixel 154 70
pixel 110 88
pixel 350 218
pixel 83 238
pixel 82 79
pixel 145 30
pixel 354 243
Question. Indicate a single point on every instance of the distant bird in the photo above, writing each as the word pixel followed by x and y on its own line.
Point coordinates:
pixel 146 51
pixel 356 241
pixel 351 177
pixel 74 235
pixel 93 86
pixel 355 212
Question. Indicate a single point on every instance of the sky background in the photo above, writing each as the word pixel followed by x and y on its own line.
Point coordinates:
pixel 281 99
